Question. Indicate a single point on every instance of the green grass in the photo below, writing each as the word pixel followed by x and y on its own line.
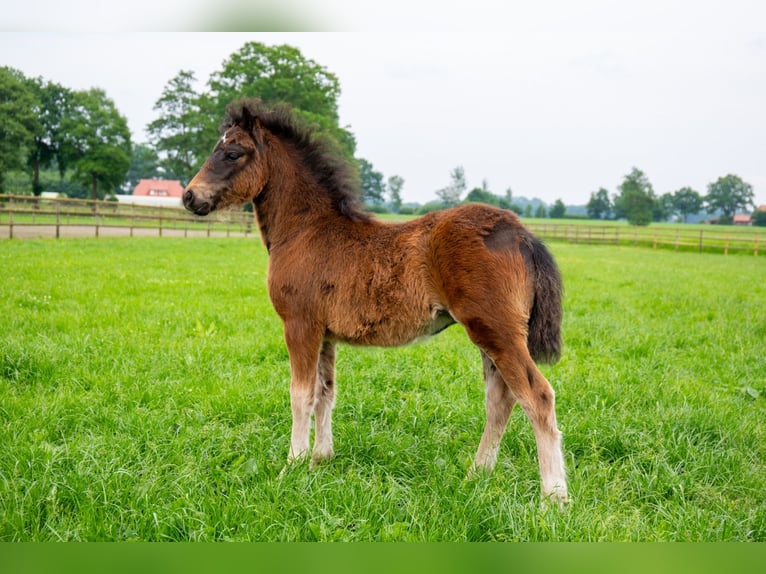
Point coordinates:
pixel 144 395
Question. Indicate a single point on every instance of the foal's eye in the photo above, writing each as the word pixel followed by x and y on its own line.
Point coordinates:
pixel 233 155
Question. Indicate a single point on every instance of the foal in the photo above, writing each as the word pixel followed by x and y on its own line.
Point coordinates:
pixel 338 275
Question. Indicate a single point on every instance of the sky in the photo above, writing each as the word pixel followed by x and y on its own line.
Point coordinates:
pixel 553 98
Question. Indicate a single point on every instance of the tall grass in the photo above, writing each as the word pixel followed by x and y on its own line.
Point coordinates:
pixel 144 395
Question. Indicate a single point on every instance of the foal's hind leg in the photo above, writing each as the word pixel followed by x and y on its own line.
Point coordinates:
pixel 324 399
pixel 535 395
pixel 499 405
pixel 527 386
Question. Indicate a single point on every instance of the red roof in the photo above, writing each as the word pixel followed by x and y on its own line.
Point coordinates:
pixel 741 219
pixel 159 188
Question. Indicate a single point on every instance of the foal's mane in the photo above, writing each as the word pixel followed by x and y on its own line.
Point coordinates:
pixel 321 155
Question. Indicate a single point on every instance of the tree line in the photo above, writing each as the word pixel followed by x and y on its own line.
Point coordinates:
pixel 45 125
pixel 80 134
pixel 637 202
pixel 46 128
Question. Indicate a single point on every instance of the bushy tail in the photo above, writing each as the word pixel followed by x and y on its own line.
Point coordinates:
pixel 544 337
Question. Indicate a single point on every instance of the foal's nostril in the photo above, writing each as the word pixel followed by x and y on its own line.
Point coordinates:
pixel 188 196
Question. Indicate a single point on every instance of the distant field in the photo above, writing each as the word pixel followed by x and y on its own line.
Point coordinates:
pixel 144 396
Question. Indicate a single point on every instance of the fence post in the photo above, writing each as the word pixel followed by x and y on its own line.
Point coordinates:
pixel 161 208
pixel 95 212
pixel 58 219
pixel 755 252
pixel 10 218
pixel 700 243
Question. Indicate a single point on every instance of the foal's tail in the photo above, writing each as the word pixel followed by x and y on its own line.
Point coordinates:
pixel 544 334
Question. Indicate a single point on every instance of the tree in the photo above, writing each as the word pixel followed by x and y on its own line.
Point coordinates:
pixel 52 103
pixel 481 195
pixel 144 164
pixel 686 202
pixel 540 212
pixel 372 183
pixel 635 201
pixel 394 186
pixel 599 206
pixel 19 122
pixel 178 133
pixel 558 211
pixel 759 218
pixel 280 74
pixel 96 141
pixel 450 195
pixel 729 194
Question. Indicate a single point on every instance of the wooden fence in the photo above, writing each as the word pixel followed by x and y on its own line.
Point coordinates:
pixel 24 216
pixel 680 237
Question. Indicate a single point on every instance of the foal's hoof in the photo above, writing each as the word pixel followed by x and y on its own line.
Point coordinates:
pixel 480 470
pixel 320 457
pixel 556 499
pixel 292 462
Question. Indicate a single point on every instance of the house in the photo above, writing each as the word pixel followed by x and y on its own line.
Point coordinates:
pixel 155 192
pixel 159 188
pixel 742 219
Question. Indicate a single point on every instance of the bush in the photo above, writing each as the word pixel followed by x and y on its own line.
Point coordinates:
pixel 429 207
pixel 759 218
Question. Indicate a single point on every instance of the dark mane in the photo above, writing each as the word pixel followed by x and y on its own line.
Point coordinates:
pixel 321 154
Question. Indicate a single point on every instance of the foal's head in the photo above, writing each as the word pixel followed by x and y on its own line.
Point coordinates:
pixel 236 170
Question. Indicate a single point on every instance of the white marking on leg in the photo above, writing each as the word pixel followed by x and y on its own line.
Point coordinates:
pixel 301 402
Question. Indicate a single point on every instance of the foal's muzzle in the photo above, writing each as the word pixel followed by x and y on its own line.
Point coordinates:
pixel 195 204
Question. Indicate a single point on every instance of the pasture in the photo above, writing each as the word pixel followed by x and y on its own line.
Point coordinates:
pixel 144 396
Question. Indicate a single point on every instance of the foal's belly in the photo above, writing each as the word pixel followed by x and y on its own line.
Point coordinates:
pixel 393 331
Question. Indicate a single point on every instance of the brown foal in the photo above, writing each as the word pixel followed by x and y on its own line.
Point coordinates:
pixel 338 275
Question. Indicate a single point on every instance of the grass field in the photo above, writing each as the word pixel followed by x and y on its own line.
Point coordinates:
pixel 144 396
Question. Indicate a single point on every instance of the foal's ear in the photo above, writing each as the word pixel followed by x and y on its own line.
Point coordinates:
pixel 257 130
pixel 252 125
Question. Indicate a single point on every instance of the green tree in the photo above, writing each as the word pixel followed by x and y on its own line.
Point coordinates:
pixel 178 133
pixel 541 212
pixel 280 74
pixel 19 122
pixel 96 141
pixel 728 195
pixel 450 195
pixel 599 205
pixel 394 186
pixel 686 202
pixel 144 164
pixel 759 218
pixel 635 200
pixel 372 183
pixel 482 195
pixel 52 103
pixel 558 211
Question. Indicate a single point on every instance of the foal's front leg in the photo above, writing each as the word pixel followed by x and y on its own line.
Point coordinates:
pixel 324 401
pixel 303 346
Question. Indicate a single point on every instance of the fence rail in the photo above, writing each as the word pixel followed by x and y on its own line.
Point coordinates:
pixel 25 216
pixel 691 238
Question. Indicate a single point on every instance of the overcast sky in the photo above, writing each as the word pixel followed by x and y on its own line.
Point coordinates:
pixel 553 99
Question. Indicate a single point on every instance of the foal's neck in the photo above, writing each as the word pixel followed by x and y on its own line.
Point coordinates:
pixel 291 201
